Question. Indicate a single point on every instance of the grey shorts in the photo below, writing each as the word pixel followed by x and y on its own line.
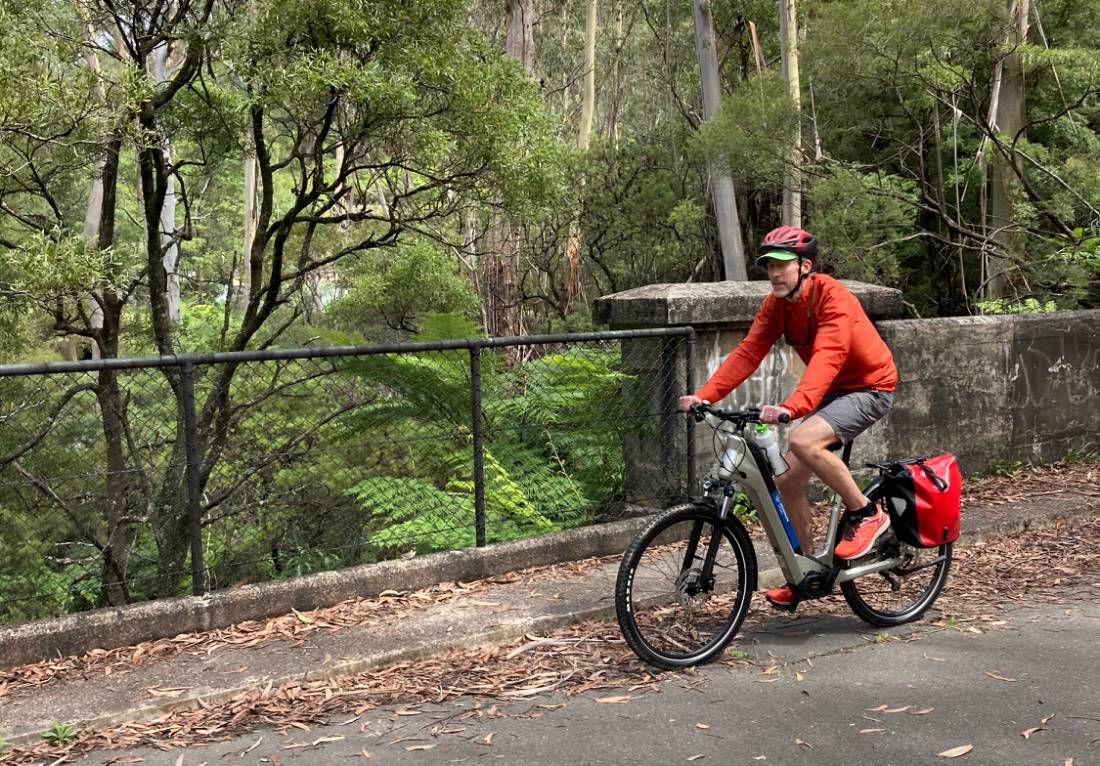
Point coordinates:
pixel 850 413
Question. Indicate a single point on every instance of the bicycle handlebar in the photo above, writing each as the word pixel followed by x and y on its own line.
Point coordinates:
pixel 740 417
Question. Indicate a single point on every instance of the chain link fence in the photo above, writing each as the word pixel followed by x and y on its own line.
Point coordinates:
pixel 133 479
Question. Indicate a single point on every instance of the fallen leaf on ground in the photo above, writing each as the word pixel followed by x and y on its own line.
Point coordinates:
pixel 991 674
pixel 616 700
pixel 800 743
pixel 412 748
pixel 955 752
pixel 922 711
pixel 897 709
pixel 702 726
pixel 870 731
pixel 489 738
pixel 1026 733
pixel 696 757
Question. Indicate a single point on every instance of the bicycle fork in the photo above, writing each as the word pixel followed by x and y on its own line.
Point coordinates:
pixel 705 580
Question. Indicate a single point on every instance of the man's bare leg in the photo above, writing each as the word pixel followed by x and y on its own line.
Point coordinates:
pixel 792 489
pixel 809 443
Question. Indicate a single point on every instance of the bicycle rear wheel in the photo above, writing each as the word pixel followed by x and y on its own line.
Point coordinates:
pixel 671 613
pixel 904 593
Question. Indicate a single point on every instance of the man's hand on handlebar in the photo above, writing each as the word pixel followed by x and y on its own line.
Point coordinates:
pixel 770 413
pixel 689 401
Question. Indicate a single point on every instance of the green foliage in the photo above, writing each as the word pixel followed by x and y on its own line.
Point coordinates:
pixel 1004 467
pixel 550 457
pixel 1011 306
pixel 861 218
pixel 60 733
pixel 754 129
pixel 393 291
pixel 642 218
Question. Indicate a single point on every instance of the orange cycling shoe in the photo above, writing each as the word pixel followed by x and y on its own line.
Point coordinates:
pixel 861 535
pixel 781 598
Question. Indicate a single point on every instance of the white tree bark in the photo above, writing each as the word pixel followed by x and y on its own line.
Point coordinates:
pixel 616 79
pixel 588 105
pixel 725 200
pixel 93 211
pixel 572 285
pixel 170 258
pixel 251 218
pixel 792 182
pixel 1010 114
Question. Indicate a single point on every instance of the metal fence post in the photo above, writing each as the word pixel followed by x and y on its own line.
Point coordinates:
pixel 476 425
pixel 194 490
pixel 689 360
pixel 669 418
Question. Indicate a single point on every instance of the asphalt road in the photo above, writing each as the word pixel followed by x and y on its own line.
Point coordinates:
pixel 835 694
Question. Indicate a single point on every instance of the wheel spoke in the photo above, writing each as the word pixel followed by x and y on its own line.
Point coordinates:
pixel 666 615
pixel 904 593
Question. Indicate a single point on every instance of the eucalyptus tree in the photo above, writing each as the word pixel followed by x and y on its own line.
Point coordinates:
pixel 331 97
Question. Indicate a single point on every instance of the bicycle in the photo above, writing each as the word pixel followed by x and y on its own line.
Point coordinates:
pixel 686 581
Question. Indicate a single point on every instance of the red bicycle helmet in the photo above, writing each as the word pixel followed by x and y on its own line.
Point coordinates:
pixel 794 240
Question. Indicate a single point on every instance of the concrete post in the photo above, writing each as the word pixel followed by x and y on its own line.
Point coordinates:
pixel 721 313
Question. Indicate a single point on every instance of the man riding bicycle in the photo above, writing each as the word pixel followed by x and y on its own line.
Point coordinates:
pixel 848 385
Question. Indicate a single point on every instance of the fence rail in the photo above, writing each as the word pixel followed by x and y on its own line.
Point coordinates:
pixel 128 479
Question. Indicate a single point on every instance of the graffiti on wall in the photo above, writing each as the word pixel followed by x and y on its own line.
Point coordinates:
pixel 771 383
pixel 1055 370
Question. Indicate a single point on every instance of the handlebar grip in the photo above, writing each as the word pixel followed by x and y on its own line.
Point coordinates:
pixel 784 418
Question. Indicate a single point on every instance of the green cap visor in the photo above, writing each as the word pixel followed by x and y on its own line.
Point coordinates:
pixel 778 255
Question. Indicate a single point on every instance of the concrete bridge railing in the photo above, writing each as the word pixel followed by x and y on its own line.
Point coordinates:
pixel 991 389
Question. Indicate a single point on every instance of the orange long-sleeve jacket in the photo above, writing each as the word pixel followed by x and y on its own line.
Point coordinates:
pixel 832 334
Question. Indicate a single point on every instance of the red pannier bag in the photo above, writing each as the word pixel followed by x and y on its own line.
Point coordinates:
pixel 922 498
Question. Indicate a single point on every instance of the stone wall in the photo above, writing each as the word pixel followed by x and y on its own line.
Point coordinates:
pixel 991 389
pixel 995 388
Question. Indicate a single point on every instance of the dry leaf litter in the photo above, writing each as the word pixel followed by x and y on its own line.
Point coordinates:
pixel 581 658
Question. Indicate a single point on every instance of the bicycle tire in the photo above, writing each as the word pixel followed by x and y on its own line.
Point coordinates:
pixel 921 580
pixel 665 619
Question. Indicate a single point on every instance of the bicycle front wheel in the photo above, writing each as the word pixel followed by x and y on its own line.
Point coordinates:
pixel 673 612
pixel 901 594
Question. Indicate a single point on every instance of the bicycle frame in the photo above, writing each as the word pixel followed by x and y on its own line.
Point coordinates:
pixel 744 464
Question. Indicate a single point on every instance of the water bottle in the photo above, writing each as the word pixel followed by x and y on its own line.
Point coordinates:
pixel 767 440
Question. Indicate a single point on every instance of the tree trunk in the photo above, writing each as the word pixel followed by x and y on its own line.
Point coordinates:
pixel 1011 116
pixel 572 286
pixel 170 256
pixel 503 310
pixel 616 79
pixel 117 489
pixel 792 183
pixel 725 200
pixel 244 277
pixel 93 211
